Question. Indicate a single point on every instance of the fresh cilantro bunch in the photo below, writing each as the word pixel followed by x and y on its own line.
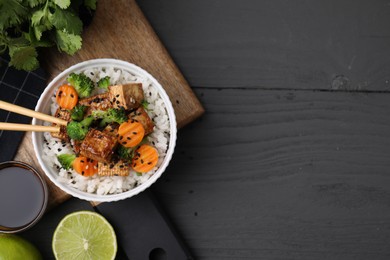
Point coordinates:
pixel 26 25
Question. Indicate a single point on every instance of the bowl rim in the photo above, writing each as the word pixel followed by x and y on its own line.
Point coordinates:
pixel 107 62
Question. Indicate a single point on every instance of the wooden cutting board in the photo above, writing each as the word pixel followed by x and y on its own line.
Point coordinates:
pixel 120 30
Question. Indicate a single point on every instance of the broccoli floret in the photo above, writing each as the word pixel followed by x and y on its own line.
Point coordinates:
pixel 104 82
pixel 126 154
pixel 66 160
pixel 78 130
pixel 82 84
pixel 111 115
pixel 77 113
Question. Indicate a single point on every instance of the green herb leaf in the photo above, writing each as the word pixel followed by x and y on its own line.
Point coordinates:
pixel 23 57
pixel 12 13
pixel 90 4
pixel 34 3
pixel 66 20
pixel 41 22
pixel 68 42
pixel 62 3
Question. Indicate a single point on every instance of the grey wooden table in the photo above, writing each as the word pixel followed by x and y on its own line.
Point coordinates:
pixel 292 158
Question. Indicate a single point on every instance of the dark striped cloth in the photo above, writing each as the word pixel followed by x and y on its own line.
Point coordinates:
pixel 21 88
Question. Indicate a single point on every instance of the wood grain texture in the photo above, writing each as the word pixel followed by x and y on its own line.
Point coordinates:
pixel 277 43
pixel 283 175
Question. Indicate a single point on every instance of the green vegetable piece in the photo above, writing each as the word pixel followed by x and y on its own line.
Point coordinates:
pixel 90 4
pixel 111 115
pixel 145 104
pixel 104 82
pixel 62 3
pixel 34 3
pixel 12 13
pixel 83 85
pixel 24 58
pixel 126 154
pixel 77 113
pixel 41 24
pixel 68 42
pixel 78 130
pixel 66 20
pixel 66 160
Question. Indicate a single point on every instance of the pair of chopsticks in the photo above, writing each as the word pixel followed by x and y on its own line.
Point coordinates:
pixel 30 113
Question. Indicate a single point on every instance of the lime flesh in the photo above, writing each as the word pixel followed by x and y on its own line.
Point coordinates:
pixel 15 247
pixel 84 235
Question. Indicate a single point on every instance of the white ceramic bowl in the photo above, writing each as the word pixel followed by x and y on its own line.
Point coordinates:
pixel 43 105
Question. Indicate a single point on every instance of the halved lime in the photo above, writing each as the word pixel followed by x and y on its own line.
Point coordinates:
pixel 84 235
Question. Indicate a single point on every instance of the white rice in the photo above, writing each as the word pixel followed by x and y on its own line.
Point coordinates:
pixel 112 184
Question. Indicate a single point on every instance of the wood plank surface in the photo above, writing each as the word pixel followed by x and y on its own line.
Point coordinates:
pixel 120 30
pixel 291 159
pixel 277 44
pixel 283 175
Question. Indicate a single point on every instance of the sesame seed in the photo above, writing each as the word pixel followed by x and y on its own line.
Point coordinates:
pixel 134 133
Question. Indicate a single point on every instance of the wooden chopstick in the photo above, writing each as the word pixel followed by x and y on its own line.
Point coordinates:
pixel 33 128
pixel 31 113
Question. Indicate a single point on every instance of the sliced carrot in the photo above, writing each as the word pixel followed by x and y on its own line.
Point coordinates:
pixel 130 133
pixel 67 97
pixel 146 157
pixel 85 166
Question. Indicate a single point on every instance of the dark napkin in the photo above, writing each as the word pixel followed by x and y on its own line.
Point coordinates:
pixel 21 88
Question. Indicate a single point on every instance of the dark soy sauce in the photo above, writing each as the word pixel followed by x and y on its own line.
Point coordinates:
pixel 22 197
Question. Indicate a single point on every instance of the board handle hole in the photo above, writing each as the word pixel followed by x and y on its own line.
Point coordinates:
pixel 158 254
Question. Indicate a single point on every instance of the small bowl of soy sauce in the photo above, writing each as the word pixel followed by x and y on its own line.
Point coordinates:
pixel 23 196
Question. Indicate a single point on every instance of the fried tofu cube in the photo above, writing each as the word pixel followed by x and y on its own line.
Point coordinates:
pixel 128 96
pixel 65 115
pixel 76 146
pixel 141 116
pixel 98 145
pixel 97 102
pixel 119 168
